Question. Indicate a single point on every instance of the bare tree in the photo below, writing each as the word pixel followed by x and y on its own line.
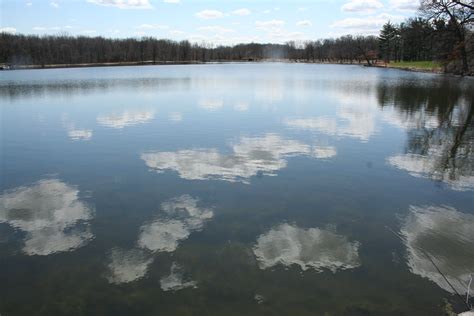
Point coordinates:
pixel 458 14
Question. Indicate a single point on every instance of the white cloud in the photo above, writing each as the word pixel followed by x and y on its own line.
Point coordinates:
pixel 29 4
pixel 251 156
pixel 176 33
pixel 405 5
pixel 125 119
pixel 366 25
pixel 304 23
pixel 308 248
pixel 222 39
pixel 182 216
pixel 242 12
pixel 302 9
pixel 171 1
pixel 362 6
pixel 447 236
pixel 54 4
pixel 51 215
pixel 269 24
pixel 123 4
pixel 127 265
pixel 175 280
pixel 209 14
pixel 44 28
pixel 8 29
pixel 153 27
pixel 215 28
pixel 276 33
pixel 88 32
pixel 52 28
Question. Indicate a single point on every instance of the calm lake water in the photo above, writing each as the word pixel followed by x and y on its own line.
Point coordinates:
pixel 235 189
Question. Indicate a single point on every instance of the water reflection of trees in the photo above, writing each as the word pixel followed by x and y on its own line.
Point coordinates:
pixel 441 136
pixel 33 89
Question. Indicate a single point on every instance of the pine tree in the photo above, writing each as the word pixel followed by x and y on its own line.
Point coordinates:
pixel 388 42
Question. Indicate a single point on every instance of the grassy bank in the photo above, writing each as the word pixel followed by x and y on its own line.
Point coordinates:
pixel 417 65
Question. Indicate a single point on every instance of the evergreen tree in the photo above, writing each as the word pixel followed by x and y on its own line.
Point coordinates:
pixel 389 42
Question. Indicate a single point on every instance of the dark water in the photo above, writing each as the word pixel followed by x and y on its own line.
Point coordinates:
pixel 235 189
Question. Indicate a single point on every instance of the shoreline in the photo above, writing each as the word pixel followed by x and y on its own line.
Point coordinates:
pixel 170 63
pixel 110 64
pixel 414 69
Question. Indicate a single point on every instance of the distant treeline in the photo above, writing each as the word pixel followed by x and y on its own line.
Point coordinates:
pixel 441 34
pixel 64 49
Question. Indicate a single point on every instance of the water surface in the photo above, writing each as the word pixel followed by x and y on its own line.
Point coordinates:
pixel 232 189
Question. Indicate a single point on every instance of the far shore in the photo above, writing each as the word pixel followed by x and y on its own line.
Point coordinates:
pixel 435 70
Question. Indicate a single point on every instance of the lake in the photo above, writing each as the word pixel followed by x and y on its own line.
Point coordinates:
pixel 235 189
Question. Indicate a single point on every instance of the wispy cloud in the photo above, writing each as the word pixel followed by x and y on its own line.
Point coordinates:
pixel 362 6
pixel 242 12
pixel 54 4
pixel 405 5
pixel 123 4
pixel 210 14
pixel 366 25
pixel 304 23
pixel 51 28
pixel 88 32
pixel 177 32
pixel 8 29
pixel 269 24
pixel 153 27
pixel 216 29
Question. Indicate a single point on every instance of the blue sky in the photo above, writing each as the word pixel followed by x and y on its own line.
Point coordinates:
pixel 216 21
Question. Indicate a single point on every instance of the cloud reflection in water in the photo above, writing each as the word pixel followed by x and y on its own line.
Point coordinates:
pixel 175 280
pixel 350 123
pixel 51 214
pixel 180 217
pixel 80 134
pixel 125 119
pixel 448 237
pixel 211 104
pixel 429 166
pixel 128 265
pixel 251 156
pixel 308 248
